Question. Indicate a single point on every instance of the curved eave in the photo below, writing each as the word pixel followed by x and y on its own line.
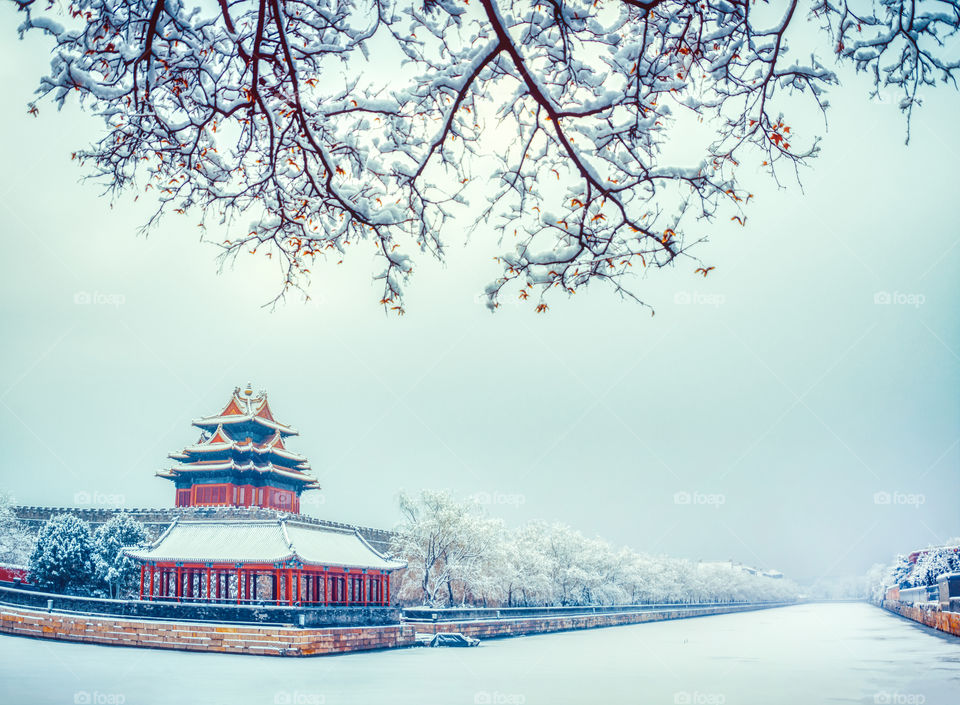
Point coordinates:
pixel 308 481
pixel 200 450
pixel 147 557
pixel 211 423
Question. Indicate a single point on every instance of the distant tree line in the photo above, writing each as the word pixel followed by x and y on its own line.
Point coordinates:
pixel 457 555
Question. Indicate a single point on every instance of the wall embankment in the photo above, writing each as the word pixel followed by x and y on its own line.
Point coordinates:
pixel 273 640
pixel 929 614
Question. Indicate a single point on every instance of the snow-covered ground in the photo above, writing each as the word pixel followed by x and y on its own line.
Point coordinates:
pixel 824 653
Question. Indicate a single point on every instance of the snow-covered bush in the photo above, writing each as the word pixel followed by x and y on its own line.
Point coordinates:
pixel 116 572
pixel 62 560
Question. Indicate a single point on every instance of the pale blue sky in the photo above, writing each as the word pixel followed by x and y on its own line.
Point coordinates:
pixel 781 386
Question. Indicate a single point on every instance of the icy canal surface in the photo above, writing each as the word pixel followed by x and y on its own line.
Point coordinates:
pixel 825 653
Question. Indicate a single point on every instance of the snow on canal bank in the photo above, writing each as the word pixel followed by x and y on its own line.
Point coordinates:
pixel 823 653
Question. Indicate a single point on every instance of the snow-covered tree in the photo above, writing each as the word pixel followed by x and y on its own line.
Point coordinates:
pixel 62 560
pixel 16 541
pixel 443 541
pixel 930 564
pixel 933 563
pixel 456 555
pixel 115 571
pixel 338 122
pixel 900 571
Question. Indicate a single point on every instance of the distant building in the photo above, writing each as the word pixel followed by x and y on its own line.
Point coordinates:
pixel 915 556
pixel 733 565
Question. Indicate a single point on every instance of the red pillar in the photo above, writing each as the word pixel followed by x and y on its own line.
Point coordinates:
pixel 346 584
pixel 208 583
pixel 289 586
pixel 179 591
pixel 143 569
pixel 386 593
pixel 238 584
pixel 152 568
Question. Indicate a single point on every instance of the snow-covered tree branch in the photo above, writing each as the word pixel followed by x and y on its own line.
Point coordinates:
pixel 555 115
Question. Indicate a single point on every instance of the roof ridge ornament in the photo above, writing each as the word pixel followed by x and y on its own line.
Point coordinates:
pixel 286 536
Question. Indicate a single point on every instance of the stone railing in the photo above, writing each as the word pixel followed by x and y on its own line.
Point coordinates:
pixel 460 614
pixel 222 612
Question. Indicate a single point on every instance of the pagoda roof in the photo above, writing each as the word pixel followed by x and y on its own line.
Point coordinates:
pixel 221 442
pixel 245 409
pixel 267 541
pixel 297 474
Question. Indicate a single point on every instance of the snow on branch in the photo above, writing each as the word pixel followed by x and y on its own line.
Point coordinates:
pixel 278 112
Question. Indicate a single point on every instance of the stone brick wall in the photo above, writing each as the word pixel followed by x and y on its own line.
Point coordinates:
pixel 496 628
pixel 239 639
pixel 292 641
pixel 948 622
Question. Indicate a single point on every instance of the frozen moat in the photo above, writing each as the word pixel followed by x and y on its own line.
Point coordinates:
pixel 820 653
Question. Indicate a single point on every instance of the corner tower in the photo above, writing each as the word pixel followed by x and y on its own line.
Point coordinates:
pixel 241 460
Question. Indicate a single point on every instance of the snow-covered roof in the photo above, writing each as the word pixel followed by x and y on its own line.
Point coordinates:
pixel 244 408
pixel 220 442
pixel 230 465
pixel 262 542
